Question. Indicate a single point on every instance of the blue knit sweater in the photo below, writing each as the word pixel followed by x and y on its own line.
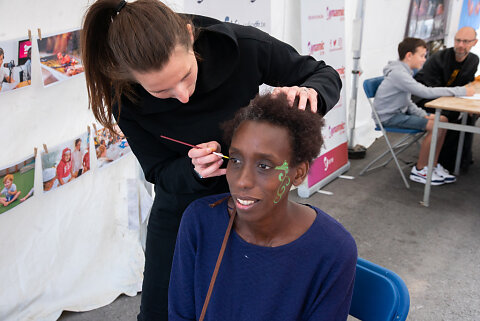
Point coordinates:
pixel 310 278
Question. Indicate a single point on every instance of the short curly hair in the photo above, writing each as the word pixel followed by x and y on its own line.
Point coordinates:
pixel 304 126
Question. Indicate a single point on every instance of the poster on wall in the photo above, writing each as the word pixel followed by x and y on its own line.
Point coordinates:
pixel 60 57
pixel 470 16
pixel 110 146
pixel 323 37
pixel 17 183
pixel 65 163
pixel 254 13
pixel 427 19
pixel 15 64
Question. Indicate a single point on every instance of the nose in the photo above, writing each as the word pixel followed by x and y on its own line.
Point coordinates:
pixel 182 94
pixel 245 178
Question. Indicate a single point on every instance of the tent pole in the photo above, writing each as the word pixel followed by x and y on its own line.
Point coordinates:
pixel 357 49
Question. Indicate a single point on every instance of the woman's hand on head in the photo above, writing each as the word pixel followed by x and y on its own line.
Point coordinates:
pixel 304 95
pixel 204 162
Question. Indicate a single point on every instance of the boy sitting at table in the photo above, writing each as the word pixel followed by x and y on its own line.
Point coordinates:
pixel 395 108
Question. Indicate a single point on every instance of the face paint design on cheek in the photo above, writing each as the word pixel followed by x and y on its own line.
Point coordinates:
pixel 284 179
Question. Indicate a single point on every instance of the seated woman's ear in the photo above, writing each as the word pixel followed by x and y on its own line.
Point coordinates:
pixel 301 172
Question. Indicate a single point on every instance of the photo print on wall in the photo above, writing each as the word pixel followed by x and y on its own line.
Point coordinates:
pixel 65 163
pixel 60 57
pixel 110 146
pixel 15 64
pixel 427 19
pixel 17 183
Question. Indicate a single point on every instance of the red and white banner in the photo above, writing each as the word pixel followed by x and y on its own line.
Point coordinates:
pixel 323 37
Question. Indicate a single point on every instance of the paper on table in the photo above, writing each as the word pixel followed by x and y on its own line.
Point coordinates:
pixel 475 97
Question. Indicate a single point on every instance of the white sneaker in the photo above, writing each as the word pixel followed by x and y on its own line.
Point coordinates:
pixel 420 176
pixel 445 174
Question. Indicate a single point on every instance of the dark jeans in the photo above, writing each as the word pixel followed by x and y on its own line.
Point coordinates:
pixel 161 236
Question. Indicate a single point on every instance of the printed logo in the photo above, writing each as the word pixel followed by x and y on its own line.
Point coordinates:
pixel 340 128
pixel 341 72
pixel 335 13
pixel 256 23
pixel 317 47
pixel 314 17
pixel 336 44
pixel 327 161
pixel 227 19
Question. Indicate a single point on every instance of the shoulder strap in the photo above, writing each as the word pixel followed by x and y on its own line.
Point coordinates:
pixel 217 265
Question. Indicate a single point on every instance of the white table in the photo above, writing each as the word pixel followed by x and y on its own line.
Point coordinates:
pixel 463 106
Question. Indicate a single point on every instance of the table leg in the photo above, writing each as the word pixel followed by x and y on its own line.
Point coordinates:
pixel 461 140
pixel 431 156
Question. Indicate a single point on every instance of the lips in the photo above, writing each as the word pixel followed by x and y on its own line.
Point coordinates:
pixel 245 202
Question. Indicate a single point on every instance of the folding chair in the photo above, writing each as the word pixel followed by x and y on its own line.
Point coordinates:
pixel 378 294
pixel 370 87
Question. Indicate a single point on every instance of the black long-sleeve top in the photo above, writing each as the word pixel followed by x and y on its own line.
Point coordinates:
pixel 443 70
pixel 235 60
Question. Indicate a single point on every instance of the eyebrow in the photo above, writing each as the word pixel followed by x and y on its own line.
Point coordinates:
pixel 183 78
pixel 269 157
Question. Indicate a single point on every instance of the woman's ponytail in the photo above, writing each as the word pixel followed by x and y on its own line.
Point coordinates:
pixel 98 58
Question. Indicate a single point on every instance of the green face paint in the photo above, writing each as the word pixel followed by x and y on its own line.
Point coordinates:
pixel 284 179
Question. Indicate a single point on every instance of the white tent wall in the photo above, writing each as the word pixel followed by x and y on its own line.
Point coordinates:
pixel 70 248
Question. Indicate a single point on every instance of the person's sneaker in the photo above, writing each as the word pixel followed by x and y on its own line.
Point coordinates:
pixel 444 173
pixel 420 176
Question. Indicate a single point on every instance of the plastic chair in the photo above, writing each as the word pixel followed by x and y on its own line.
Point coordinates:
pixel 378 294
pixel 370 87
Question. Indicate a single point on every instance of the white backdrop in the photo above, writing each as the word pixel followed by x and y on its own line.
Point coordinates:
pixel 323 37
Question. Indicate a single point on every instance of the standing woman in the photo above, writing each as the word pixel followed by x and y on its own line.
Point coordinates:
pixel 155 72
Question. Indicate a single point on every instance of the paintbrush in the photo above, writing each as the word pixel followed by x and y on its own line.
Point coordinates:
pixel 193 146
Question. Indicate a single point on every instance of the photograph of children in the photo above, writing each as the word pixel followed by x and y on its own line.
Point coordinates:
pixel 17 183
pixel 65 163
pixel 110 146
pixel 15 64
pixel 60 57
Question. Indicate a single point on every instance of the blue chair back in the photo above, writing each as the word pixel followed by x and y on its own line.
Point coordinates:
pixel 379 294
pixel 370 86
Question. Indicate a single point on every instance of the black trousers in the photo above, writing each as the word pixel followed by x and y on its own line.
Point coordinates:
pixel 161 236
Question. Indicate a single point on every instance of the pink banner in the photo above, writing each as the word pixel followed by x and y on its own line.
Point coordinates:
pixel 327 164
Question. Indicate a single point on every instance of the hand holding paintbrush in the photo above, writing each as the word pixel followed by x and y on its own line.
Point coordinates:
pixel 203 164
pixel 193 146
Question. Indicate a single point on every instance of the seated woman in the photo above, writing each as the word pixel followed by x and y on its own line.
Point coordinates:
pixel 283 260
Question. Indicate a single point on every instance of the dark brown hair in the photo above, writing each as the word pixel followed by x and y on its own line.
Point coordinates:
pixel 409 45
pixel 139 37
pixel 304 126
